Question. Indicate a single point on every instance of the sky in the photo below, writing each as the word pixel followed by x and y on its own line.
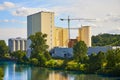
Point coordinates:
pixel 102 15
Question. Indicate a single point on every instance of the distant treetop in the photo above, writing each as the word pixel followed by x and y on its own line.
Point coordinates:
pixel 106 40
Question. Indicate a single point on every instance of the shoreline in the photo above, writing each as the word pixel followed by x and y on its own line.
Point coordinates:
pixel 59 69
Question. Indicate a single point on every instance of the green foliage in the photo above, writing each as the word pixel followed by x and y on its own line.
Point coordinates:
pixel 106 40
pixel 96 62
pixel 39 48
pixel 101 59
pixel 34 61
pixel 1 74
pixel 19 55
pixel 38 44
pixel 115 71
pixel 104 63
pixel 80 51
pixel 54 63
pixel 7 55
pixel 3 48
pixel 51 63
pixel 92 65
pixel 42 59
pixel 113 57
pixel 47 55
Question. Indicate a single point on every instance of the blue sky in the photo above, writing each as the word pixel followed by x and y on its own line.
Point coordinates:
pixel 106 15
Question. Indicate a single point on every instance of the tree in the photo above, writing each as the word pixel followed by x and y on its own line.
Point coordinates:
pixel 3 48
pixel 80 51
pixel 91 66
pixel 42 59
pixel 19 55
pixel 39 48
pixel 113 57
pixel 106 39
pixel 101 59
pixel 34 61
pixel 96 62
pixel 38 44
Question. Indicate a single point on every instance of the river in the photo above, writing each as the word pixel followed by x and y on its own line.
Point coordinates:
pixel 13 71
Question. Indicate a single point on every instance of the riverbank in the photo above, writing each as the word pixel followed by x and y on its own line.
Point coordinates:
pixel 70 65
pixel 14 71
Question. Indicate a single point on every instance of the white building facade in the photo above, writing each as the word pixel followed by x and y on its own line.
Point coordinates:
pixel 16 44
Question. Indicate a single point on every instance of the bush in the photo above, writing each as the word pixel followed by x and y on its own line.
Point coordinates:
pixel 7 55
pixel 1 73
pixel 54 63
pixel 115 71
pixel 41 59
pixel 72 65
pixel 34 61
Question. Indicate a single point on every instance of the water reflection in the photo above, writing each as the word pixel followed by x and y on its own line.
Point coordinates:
pixel 57 76
pixel 17 72
pixel 23 72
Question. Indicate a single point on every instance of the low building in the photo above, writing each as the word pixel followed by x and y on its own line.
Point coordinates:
pixel 62 52
pixel 68 52
pixel 16 44
pixel 97 49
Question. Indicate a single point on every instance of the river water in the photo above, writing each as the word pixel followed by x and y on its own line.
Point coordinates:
pixel 13 71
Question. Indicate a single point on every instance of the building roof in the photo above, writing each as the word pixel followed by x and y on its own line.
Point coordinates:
pixel 18 38
pixel 40 12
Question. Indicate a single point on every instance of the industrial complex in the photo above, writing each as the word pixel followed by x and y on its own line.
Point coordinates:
pixel 58 38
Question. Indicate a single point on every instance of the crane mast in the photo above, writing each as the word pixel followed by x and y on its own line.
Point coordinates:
pixel 68 20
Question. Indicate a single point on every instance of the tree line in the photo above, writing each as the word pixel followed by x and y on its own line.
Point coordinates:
pixel 106 40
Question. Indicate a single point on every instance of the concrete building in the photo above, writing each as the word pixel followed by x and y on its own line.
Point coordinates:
pixel 58 52
pixel 85 35
pixel 97 49
pixel 16 44
pixel 68 52
pixel 61 37
pixel 41 22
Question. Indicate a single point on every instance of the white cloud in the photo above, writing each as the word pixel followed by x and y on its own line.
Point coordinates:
pixel 7 5
pixel 13 21
pixel 105 12
pixel 23 11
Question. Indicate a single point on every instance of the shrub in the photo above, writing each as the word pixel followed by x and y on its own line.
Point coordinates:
pixel 34 61
pixel 1 73
pixel 54 63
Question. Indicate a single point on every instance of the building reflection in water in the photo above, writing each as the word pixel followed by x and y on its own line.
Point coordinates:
pixel 24 72
pixel 17 72
pixel 57 76
pixel 21 72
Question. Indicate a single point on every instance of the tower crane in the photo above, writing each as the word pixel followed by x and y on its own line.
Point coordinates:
pixel 70 19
